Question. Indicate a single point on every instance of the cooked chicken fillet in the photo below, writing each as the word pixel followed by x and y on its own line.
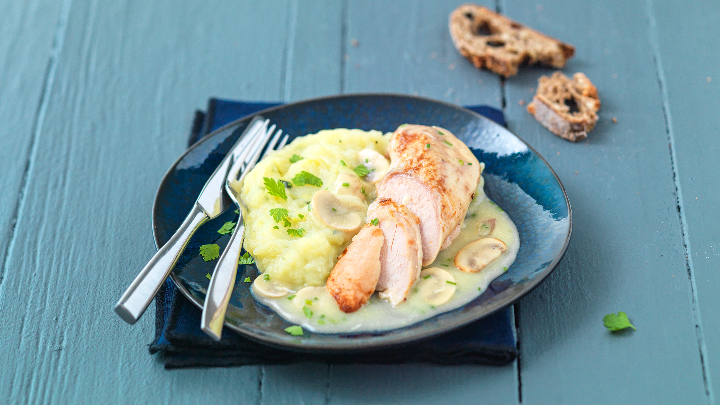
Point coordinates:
pixel 354 277
pixel 401 254
pixel 434 175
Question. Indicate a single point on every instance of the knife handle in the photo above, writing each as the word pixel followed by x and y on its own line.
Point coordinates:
pixel 221 285
pixel 141 292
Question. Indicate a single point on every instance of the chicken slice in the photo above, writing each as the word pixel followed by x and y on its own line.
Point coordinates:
pixel 434 175
pixel 401 254
pixel 355 275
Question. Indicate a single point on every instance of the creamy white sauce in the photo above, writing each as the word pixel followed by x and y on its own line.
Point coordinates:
pixel 314 309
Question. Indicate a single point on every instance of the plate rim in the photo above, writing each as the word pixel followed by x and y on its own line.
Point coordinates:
pixel 382 342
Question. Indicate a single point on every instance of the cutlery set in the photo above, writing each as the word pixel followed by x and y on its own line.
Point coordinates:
pixel 218 194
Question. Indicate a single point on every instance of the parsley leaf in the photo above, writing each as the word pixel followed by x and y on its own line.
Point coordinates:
pixel 346 184
pixel 247 280
pixel 304 178
pixel 274 188
pixel 294 330
pixel 295 232
pixel 427 277
pixel 375 222
pixel 208 276
pixel 291 297
pixel 308 312
pixel 447 143
pixel 361 170
pixel 210 252
pixel 279 213
pixel 617 322
pixel 246 259
pixel 427 146
pixel 441 133
pixel 266 277
pixel 342 162
pixel 226 228
pixel 296 158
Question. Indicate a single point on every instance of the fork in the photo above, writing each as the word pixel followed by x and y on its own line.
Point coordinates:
pixel 222 280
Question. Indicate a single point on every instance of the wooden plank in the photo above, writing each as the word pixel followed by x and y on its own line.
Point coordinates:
pixel 684 36
pixel 31 35
pixel 128 79
pixel 410 52
pixel 627 250
pixel 312 70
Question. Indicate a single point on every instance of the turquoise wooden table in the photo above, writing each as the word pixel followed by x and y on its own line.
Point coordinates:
pixel 96 100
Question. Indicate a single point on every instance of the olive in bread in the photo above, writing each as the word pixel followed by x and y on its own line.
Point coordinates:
pixel 492 41
pixel 567 107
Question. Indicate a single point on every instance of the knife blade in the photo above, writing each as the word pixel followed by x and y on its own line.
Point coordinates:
pixel 211 202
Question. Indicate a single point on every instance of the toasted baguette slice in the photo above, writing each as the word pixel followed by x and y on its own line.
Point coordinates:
pixel 568 108
pixel 492 41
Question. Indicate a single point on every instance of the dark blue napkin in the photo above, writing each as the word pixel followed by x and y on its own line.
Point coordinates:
pixel 180 342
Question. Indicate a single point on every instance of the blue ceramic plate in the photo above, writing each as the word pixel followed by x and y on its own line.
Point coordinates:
pixel 516 177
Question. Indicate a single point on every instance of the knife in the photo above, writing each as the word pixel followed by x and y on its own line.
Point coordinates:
pixel 211 202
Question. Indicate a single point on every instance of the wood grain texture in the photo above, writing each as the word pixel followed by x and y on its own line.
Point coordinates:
pixel 31 33
pixel 626 252
pixel 685 39
pixel 128 78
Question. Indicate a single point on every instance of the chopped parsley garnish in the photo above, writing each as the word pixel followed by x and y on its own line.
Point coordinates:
pixel 275 188
pixel 469 163
pixel 237 211
pixel 279 214
pixel 447 142
pixel 304 178
pixel 445 265
pixel 294 330
pixel 210 252
pixel 308 302
pixel 361 170
pixel 246 259
pixel 427 146
pixel 301 216
pixel 286 222
pixel 276 227
pixel 346 184
pixel 295 232
pixel 334 209
pixel 291 297
pixel 362 190
pixel 367 161
pixel 207 276
pixel 342 162
pixel 505 268
pixel 450 282
pixel 427 277
pixel 441 133
pixel 226 228
pixel 617 322
pixel 461 162
pixel 296 158
pixel 266 277
pixel 375 221
pixel 308 312
pixel 247 280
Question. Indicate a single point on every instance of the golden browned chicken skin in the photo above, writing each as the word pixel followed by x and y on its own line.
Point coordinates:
pixel 355 275
pixel 434 175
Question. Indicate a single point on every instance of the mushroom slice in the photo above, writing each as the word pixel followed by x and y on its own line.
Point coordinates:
pixel 348 184
pixel 316 302
pixel 374 161
pixel 265 287
pixel 436 285
pixel 476 255
pixel 334 212
pixel 486 226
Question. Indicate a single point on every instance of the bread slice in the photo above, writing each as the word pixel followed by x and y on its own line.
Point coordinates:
pixel 568 108
pixel 492 41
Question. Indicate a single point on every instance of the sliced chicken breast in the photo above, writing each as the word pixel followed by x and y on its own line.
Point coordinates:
pixel 355 275
pixel 401 253
pixel 434 175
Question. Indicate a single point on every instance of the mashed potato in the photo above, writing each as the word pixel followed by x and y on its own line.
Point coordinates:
pixel 292 260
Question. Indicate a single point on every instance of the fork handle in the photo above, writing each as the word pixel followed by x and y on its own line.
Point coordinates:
pixel 141 292
pixel 221 286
